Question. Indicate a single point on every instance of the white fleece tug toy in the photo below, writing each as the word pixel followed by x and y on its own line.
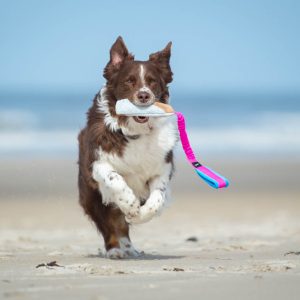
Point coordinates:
pixel 158 109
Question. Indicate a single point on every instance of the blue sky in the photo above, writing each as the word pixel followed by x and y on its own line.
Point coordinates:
pixel 217 45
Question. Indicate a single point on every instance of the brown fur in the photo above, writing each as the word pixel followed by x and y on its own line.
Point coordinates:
pixel 109 220
pixel 122 81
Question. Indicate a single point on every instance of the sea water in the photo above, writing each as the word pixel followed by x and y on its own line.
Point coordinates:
pixel 225 123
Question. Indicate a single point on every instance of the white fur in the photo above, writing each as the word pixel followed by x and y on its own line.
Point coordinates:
pixel 142 75
pixel 126 250
pixel 159 193
pixel 110 121
pixel 144 87
pixel 127 247
pixel 114 188
pixel 141 172
pixel 115 253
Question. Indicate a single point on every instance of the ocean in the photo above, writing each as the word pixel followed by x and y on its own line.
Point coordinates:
pixel 266 124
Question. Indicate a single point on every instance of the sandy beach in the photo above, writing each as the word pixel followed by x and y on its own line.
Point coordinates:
pixel 239 243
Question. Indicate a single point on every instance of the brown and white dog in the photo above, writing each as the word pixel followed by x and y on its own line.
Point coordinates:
pixel 126 163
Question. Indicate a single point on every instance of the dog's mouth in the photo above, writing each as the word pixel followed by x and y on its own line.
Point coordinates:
pixel 141 119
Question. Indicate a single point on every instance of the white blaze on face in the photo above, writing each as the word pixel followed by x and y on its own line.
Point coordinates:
pixel 142 75
pixel 144 88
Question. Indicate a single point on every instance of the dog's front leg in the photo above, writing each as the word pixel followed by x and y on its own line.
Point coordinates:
pixel 114 189
pixel 158 195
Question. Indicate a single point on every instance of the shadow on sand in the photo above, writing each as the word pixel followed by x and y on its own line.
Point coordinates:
pixel 143 256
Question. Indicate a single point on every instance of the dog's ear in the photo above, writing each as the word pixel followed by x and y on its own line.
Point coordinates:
pixel 118 55
pixel 162 60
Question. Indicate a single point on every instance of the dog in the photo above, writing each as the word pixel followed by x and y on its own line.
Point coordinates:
pixel 126 163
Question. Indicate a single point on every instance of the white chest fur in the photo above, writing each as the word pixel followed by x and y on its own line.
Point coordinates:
pixel 144 158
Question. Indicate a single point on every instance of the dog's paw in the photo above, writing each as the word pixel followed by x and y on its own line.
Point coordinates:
pixel 127 247
pixel 133 253
pixel 128 203
pixel 116 253
pixel 134 219
pixel 124 199
pixel 134 216
pixel 121 253
pixel 146 212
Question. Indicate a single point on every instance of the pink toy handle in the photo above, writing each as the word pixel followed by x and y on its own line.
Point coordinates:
pixel 212 178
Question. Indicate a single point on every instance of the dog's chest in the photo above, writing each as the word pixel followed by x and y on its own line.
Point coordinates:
pixel 144 158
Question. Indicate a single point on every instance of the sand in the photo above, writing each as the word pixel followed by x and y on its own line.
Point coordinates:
pixel 240 243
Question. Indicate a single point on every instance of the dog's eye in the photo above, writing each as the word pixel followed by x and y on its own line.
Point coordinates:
pixel 151 80
pixel 130 80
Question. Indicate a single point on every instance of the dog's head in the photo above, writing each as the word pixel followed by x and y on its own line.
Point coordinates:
pixel 142 82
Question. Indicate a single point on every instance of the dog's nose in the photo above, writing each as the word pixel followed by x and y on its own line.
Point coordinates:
pixel 143 97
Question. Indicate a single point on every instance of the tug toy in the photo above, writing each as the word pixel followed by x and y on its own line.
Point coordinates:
pixel 158 109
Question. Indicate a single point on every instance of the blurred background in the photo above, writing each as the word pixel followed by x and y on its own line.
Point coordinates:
pixel 236 71
pixel 237 80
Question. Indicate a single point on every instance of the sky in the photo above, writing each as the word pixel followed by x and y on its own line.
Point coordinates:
pixel 217 45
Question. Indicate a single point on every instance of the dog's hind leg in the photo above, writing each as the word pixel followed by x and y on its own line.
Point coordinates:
pixel 110 222
pixel 116 237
